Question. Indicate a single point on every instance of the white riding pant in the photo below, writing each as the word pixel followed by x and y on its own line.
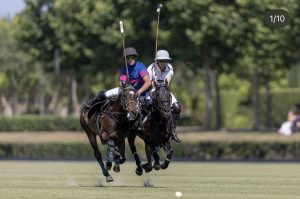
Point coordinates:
pixel 113 92
pixel 116 91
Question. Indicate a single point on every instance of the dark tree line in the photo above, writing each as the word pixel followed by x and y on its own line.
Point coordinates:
pixel 55 53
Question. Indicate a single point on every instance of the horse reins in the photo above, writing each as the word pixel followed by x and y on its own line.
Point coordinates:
pixel 161 107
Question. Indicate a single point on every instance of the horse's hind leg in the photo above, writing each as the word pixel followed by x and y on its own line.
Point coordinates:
pixel 97 154
pixel 139 168
pixel 169 150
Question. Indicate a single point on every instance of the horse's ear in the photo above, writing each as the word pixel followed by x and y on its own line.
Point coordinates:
pixel 123 84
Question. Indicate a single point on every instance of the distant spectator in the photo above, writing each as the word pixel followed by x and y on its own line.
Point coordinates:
pixel 287 127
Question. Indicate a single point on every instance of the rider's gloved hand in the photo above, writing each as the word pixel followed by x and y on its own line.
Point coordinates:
pixel 137 94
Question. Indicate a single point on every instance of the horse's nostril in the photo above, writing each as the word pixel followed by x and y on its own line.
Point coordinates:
pixel 130 116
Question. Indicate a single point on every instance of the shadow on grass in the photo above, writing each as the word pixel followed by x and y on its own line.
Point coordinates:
pixel 127 186
pixel 104 185
pixel 118 186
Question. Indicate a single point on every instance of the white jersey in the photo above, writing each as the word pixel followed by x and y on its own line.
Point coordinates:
pixel 155 72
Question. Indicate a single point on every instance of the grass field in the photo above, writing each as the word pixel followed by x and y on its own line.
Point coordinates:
pixel 192 137
pixel 46 179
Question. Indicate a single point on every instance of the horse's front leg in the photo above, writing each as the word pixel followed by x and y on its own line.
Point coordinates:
pixel 156 164
pixel 169 151
pixel 148 166
pixel 131 139
pixel 97 154
pixel 121 148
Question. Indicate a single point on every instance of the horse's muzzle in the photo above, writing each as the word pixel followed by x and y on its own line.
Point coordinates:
pixel 131 116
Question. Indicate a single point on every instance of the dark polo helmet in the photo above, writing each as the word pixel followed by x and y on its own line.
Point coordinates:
pixel 130 51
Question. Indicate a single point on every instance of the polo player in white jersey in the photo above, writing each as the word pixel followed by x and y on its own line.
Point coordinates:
pixel 161 69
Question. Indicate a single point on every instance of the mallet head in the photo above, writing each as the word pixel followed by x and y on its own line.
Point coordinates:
pixel 121 27
pixel 159 7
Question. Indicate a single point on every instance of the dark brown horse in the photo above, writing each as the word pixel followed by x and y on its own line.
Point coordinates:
pixel 157 131
pixel 110 123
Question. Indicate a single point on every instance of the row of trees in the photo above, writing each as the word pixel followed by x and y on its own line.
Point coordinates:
pixel 55 52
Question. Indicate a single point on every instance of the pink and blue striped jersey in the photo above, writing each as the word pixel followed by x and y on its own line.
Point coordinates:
pixel 136 74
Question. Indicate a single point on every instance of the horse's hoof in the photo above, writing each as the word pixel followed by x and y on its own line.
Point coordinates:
pixel 164 165
pixel 108 165
pixel 122 160
pixel 116 168
pixel 139 171
pixel 147 167
pixel 148 170
pixel 156 166
pixel 109 179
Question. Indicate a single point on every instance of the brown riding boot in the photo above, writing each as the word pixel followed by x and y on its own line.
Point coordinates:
pixel 99 97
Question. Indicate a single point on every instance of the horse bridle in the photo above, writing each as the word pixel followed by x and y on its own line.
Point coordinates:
pixel 124 104
pixel 159 104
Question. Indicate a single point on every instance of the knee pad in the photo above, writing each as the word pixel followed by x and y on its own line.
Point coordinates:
pixel 176 110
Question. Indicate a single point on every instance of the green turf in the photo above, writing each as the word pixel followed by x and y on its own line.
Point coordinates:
pixel 25 179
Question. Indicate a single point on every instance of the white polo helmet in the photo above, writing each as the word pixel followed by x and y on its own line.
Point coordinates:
pixel 162 55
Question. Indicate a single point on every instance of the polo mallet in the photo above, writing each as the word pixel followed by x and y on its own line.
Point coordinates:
pixel 157 25
pixel 125 59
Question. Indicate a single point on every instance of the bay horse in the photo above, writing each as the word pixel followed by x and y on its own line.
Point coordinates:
pixel 110 123
pixel 157 130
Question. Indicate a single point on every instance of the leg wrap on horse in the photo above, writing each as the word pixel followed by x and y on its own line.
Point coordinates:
pixel 165 164
pixel 155 156
pixel 169 154
pixel 110 151
pixel 156 164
